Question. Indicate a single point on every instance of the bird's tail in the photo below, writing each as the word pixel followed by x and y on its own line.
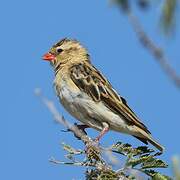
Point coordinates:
pixel 156 144
pixel 148 138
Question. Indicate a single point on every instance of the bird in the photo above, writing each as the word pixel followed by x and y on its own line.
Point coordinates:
pixel 89 97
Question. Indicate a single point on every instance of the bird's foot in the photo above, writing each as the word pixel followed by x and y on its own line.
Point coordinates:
pixel 103 132
pixel 81 127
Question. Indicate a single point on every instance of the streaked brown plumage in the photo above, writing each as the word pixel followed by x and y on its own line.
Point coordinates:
pixel 88 95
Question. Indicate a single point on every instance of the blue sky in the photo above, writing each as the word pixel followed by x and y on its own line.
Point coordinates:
pixel 29 136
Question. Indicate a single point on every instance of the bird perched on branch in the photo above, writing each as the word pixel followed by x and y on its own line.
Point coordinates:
pixel 88 96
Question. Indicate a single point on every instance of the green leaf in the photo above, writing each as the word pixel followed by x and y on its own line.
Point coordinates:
pixel 168 15
pixel 149 172
pixel 156 175
pixel 102 175
pixel 143 4
pixel 70 157
pixel 142 150
pixel 126 149
pixel 135 161
pixel 146 161
pixel 123 4
pixel 122 148
pixel 176 169
pixel 159 176
pixel 152 162
pixel 71 150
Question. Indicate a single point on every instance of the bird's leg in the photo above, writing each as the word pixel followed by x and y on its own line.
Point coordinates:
pixel 93 150
pixel 103 132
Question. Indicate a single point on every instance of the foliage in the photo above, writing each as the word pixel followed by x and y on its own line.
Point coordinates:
pixel 167 21
pixel 167 10
pixel 168 15
pixel 142 160
pixel 176 163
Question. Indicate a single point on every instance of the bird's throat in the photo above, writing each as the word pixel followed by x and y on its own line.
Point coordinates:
pixel 57 68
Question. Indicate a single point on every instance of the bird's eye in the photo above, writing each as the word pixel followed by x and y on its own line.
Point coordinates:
pixel 59 50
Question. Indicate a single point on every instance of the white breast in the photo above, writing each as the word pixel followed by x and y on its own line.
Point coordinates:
pixel 91 113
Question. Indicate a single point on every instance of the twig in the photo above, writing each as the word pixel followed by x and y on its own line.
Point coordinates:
pixel 94 161
pixel 92 148
pixel 60 119
pixel 153 49
pixel 53 160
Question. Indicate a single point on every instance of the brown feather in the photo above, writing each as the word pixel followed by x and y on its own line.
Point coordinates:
pixel 91 81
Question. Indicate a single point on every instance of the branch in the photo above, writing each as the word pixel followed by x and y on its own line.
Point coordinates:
pixel 147 42
pixel 60 119
pixel 153 49
pixel 140 159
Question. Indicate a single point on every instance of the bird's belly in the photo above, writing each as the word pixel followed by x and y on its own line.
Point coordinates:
pixel 89 112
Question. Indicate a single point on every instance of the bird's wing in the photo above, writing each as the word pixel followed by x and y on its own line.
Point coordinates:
pixel 91 81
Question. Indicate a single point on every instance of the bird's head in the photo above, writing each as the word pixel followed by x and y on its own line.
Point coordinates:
pixel 66 51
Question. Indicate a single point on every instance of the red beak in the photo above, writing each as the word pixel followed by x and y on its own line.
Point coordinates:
pixel 48 57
